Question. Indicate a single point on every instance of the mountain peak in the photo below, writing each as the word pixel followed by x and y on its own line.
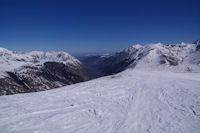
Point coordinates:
pixel 132 48
pixel 3 50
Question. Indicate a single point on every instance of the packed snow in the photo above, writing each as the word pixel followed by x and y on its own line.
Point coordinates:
pixel 132 101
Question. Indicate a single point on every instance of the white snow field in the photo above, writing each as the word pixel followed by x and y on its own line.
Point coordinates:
pixel 132 101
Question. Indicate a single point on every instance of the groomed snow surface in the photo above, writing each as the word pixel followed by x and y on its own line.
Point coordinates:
pixel 129 102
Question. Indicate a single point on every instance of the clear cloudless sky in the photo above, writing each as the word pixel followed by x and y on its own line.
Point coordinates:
pixel 90 26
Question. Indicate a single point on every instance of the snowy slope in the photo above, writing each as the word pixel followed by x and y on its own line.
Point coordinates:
pixel 181 57
pixel 129 102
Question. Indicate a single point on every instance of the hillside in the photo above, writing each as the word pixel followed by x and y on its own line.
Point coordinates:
pixel 181 57
pixel 37 71
pixel 129 102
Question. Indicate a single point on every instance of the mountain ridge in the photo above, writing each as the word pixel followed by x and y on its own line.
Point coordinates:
pixel 172 57
pixel 37 70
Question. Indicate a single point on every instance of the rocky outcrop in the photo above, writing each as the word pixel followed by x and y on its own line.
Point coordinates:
pixel 197 42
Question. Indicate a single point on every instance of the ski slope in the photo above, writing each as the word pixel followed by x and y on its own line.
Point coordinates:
pixel 132 101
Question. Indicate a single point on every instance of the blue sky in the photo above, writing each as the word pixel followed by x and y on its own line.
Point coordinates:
pixel 90 26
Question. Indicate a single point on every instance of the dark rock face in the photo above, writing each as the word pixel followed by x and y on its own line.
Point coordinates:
pixel 11 85
pixel 197 42
pixel 116 63
pixel 55 71
pixel 173 61
pixel 108 65
pixel 95 63
pixel 50 75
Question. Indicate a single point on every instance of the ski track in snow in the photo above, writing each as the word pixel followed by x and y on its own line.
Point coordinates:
pixel 128 102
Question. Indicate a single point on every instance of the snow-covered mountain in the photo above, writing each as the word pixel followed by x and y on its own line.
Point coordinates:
pixel 132 101
pixel 173 57
pixel 36 70
pixel 159 93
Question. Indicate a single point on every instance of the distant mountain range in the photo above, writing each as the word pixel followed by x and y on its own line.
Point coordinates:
pixel 37 71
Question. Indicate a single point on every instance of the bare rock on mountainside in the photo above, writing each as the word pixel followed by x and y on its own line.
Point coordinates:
pixel 197 42
pixel 38 71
